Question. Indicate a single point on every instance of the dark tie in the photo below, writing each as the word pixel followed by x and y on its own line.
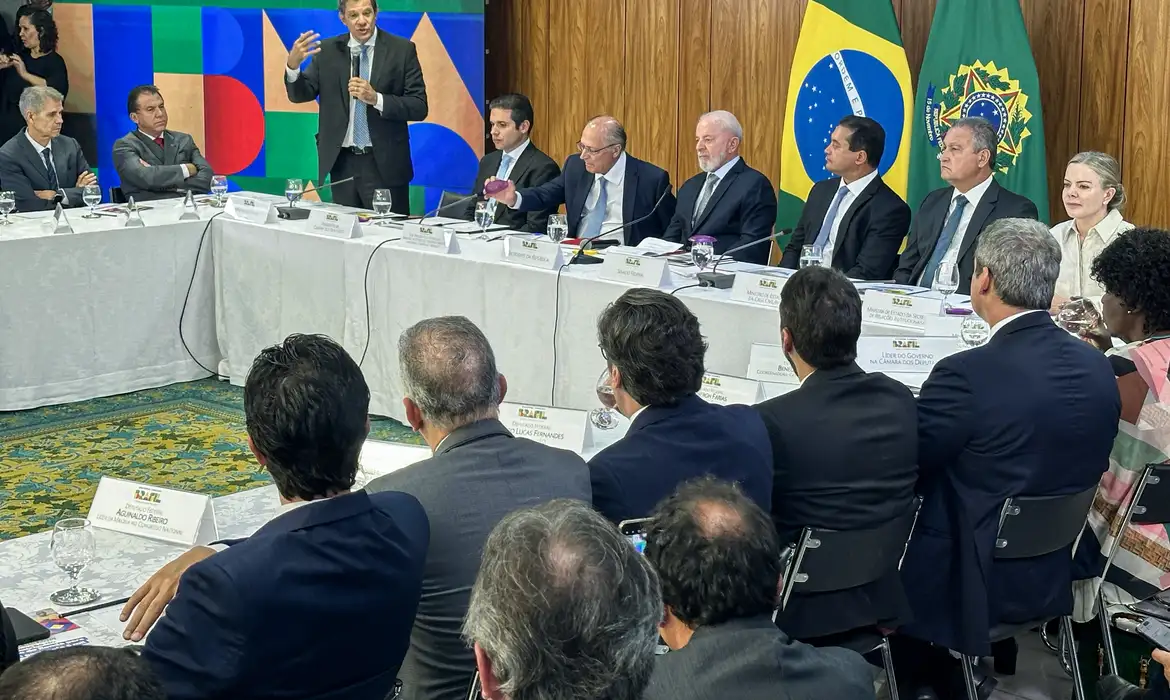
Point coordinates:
pixel 159 141
pixel 944 242
pixel 48 156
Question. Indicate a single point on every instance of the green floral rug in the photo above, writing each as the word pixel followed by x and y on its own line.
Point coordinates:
pixel 186 436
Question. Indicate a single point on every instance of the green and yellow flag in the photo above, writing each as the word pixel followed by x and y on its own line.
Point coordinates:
pixel 849 60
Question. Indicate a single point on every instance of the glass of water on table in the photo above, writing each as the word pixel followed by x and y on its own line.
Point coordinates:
pixel 219 188
pixel 7 204
pixel 92 196
pixel 810 256
pixel 558 228
pixel 946 280
pixel 382 203
pixel 702 250
pixel 73 549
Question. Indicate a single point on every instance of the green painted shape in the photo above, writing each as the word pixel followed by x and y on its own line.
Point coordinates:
pixel 177 38
pixel 292 148
pixel 454 6
pixel 266 185
pixel 418 202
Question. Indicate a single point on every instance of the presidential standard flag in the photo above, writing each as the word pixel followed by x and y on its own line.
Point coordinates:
pixel 849 60
pixel 979 63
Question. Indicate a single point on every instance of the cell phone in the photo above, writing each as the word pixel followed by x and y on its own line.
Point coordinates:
pixel 635 532
pixel 1156 632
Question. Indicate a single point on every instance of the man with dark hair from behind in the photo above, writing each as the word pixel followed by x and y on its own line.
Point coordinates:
pixel 718 560
pixel 81 673
pixel 842 426
pixel 654 348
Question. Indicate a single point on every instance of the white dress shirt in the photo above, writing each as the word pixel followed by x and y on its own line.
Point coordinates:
pixel 973 195
pixel 1077 256
pixel 290 74
pixel 186 172
pixel 855 189
pixel 1009 319
pixel 40 154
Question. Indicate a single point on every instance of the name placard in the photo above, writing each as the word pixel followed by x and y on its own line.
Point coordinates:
pixel 890 355
pixel 636 269
pixel 532 252
pixel 163 514
pixel 556 427
pixel 898 310
pixel 760 288
pixel 767 363
pixel 433 238
pixel 334 223
pixel 724 390
pixel 253 209
pixel 946 326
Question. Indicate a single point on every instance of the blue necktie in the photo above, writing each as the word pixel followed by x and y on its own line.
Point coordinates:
pixel 944 242
pixel 52 172
pixel 827 225
pixel 361 128
pixel 591 226
pixel 501 173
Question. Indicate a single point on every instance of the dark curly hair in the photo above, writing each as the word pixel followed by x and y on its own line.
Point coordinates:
pixel 1135 268
pixel 45 27
pixel 716 552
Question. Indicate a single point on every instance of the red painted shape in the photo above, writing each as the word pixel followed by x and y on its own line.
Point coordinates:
pixel 234 124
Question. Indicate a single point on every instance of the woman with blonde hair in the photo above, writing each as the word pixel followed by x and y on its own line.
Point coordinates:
pixel 1093 197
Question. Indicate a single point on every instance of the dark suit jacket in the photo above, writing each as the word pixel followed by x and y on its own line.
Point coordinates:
pixel 162 177
pixel 749 659
pixel 742 209
pixel 668 445
pixel 845 450
pixel 316 604
pixel 9 654
pixel 996 203
pixel 479 474
pixel 397 75
pixel 1031 413
pixel 869 236
pixel 643 185
pixel 532 168
pixel 22 170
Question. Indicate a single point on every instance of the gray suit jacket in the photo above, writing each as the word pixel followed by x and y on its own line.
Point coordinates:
pixel 22 170
pixel 750 659
pixel 162 177
pixel 479 474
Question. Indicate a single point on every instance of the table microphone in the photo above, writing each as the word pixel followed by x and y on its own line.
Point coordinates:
pixel 579 257
pixel 298 213
pixel 724 280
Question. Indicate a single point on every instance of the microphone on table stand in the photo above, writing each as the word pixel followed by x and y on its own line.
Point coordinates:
pixel 580 258
pixel 297 213
pixel 723 280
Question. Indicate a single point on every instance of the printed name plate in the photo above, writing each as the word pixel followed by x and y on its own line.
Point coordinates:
pixel 760 288
pixel 636 269
pixel 903 355
pixel 433 238
pixel 555 427
pixel 767 363
pixel 724 390
pixel 533 252
pixel 334 223
pixel 163 514
pixel 253 209
pixel 898 310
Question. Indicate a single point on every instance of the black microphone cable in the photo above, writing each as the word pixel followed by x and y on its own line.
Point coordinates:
pixel 187 298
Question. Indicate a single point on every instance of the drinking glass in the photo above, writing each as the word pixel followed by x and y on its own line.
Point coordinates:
pixel 558 227
pixel 219 188
pixel 7 204
pixel 603 418
pixel 810 256
pixel 485 214
pixel 382 203
pixel 293 189
pixel 974 331
pixel 702 250
pixel 1078 316
pixel 92 196
pixel 73 549
pixel 946 280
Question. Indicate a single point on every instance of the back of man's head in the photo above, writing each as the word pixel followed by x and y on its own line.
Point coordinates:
pixel 655 342
pixel 81 673
pixel 821 310
pixel 1021 259
pixel 306 404
pixel 563 607
pixel 449 371
pixel 716 552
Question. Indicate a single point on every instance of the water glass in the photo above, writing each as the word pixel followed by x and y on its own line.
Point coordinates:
pixel 73 549
pixel 702 250
pixel 382 203
pixel 219 188
pixel 92 196
pixel 7 204
pixel 946 280
pixel 810 256
pixel 1078 316
pixel 603 418
pixel 558 227
pixel 485 214
pixel 974 331
pixel 293 189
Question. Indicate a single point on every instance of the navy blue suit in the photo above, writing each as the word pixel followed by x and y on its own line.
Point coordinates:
pixel 667 445
pixel 642 185
pixel 742 209
pixel 1031 413
pixel 319 603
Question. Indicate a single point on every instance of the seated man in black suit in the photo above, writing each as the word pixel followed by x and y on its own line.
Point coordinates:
pixel 252 620
pixel 855 219
pixel 479 474
pixel 1033 412
pixel 608 193
pixel 842 426
pixel 718 560
pixel 655 350
pixel 950 219
pixel 153 161
pixel 728 201
pixel 39 165
pixel 515 159
pixel 82 673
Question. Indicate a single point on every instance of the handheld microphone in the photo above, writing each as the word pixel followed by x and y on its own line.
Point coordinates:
pixel 579 257
pixel 724 280
pixel 297 213
pixel 355 62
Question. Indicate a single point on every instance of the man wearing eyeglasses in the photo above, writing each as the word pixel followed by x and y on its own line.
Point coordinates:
pixel 604 189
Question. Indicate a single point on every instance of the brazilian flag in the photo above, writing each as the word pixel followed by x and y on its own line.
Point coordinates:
pixel 849 60
pixel 979 63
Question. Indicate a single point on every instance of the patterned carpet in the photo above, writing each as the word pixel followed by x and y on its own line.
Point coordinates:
pixel 186 436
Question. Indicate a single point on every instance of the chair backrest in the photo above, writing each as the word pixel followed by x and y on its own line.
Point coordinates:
pixel 1151 499
pixel 1032 526
pixel 116 195
pixel 449 198
pixel 837 560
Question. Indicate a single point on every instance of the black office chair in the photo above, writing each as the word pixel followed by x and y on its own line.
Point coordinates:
pixel 447 199
pixel 1032 527
pixel 1150 505
pixel 117 196
pixel 836 560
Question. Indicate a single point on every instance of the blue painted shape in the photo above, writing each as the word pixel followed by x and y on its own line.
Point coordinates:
pixel 233 45
pixel 441 158
pixel 123 59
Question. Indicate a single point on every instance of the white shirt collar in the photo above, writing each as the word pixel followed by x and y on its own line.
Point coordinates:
pixel 858 186
pixel 1009 319
pixel 149 136
pixel 1106 229
pixel 516 152
pixel 726 168
pixel 802 381
pixel 616 174
pixel 369 42
pixel 39 148
pixel 635 416
pixel 974 194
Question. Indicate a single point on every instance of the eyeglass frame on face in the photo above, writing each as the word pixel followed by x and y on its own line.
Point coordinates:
pixel 590 151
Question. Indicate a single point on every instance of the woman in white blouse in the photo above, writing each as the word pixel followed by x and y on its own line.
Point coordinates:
pixel 1093 196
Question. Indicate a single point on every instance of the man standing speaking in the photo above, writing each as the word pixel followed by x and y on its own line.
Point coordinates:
pixel 370 84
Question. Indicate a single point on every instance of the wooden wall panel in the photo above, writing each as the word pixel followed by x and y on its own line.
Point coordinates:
pixel 1103 70
pixel 651 79
pixel 694 83
pixel 517 43
pixel 1146 145
pixel 915 22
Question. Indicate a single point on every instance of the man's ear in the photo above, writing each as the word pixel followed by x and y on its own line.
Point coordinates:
pixel 786 340
pixel 414 416
pixel 489 687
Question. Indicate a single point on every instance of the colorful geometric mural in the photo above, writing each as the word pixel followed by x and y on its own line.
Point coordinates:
pixel 220 68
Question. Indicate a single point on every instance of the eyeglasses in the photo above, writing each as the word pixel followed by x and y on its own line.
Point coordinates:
pixel 587 151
